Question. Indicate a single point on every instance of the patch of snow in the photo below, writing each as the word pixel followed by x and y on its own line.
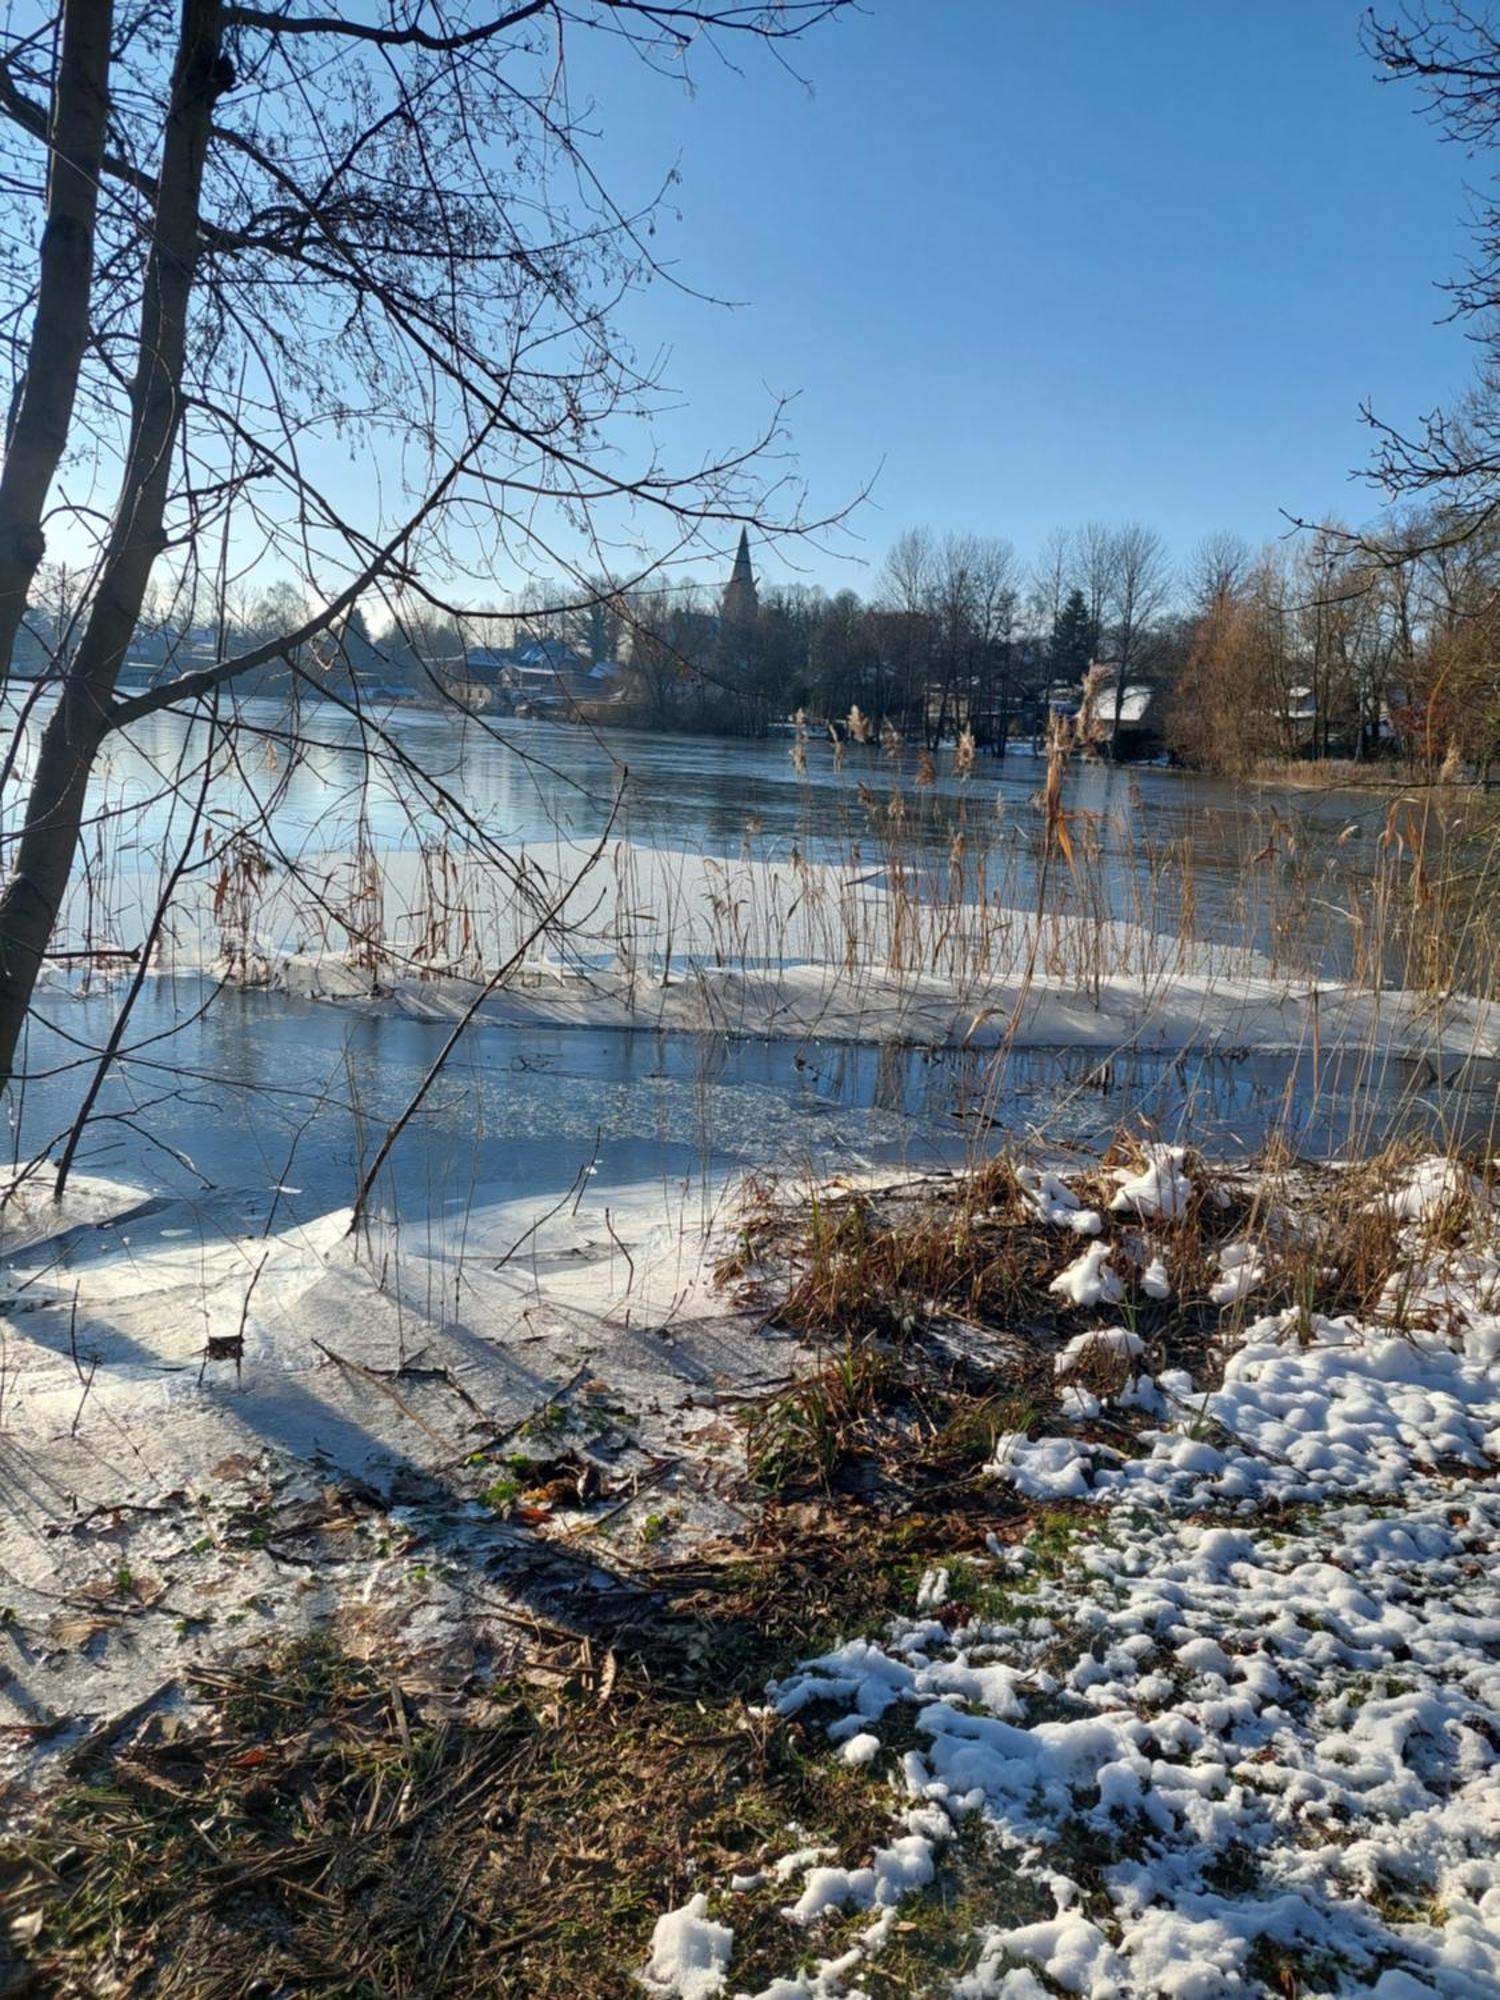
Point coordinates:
pixel 1095 1343
pixel 1089 1280
pixel 689 1954
pixel 1161 1187
pixel 1155 1282
pixel 1052 1201
pixel 1305 1702
pixel 861 1749
pixel 932 1590
pixel 1429 1185
pixel 804 1857
pixel 1049 1469
pixel 1243 1268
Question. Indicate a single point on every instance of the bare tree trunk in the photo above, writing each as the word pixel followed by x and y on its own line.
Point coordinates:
pixel 34 894
pixel 38 432
pixel 1007 692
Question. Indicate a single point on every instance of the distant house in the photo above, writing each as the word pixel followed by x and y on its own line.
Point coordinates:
pixel 546 674
pixel 554 653
pixel 1138 732
pixel 539 676
pixel 486 665
pixel 1299 716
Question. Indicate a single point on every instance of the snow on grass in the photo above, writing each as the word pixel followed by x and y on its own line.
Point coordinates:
pixel 1096 1343
pixel 1237 1717
pixel 1155 1281
pixel 689 1954
pixel 1052 1201
pixel 1089 1280
pixel 1049 1469
pixel 1243 1268
pixel 1159 1187
pixel 1429 1185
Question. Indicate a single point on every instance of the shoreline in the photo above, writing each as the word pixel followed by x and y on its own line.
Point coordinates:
pixel 955 1705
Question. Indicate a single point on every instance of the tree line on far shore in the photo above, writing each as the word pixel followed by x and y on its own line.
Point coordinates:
pixel 1326 643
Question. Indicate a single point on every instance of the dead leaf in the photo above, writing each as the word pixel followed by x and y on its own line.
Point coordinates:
pixel 75 1629
pixel 609 1674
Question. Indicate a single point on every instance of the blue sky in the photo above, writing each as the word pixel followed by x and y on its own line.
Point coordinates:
pixel 1040 261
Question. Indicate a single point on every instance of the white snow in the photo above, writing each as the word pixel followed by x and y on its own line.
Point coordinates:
pixel 1096 1343
pixel 1049 1469
pixel 1155 1282
pixel 1427 1186
pixel 1243 1268
pixel 932 1590
pixel 1089 1280
pixel 1158 1187
pixel 1052 1201
pixel 1276 1726
pixel 689 1953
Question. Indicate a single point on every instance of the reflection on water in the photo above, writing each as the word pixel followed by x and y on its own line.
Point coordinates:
pixel 261 1091
pixel 264 1090
pixel 1250 863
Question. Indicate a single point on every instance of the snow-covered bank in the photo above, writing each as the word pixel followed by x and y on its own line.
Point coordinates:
pixel 1194 1687
pixel 859 1003
pixel 1228 1716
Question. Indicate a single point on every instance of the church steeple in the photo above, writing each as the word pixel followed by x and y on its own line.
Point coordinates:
pixel 739 604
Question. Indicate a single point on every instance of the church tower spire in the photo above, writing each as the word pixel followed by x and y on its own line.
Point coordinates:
pixel 740 600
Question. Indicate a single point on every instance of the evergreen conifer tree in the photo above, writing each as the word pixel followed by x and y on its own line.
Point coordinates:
pixel 1072 640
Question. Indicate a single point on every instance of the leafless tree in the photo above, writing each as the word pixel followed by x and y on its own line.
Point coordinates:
pixel 73 132
pixel 266 231
pixel 954 588
pixel 1096 564
pixel 670 640
pixel 974 595
pixel 908 576
pixel 1235 702
pixel 1450 53
pixel 1051 578
pixel 1217 568
pixel 908 598
pixel 1140 583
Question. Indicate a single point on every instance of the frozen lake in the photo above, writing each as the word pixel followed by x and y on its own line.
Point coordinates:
pixel 267 1090
pixel 527 783
pixel 260 1089
pixel 198 1319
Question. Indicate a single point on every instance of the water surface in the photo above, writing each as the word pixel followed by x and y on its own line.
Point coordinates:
pixel 263 1090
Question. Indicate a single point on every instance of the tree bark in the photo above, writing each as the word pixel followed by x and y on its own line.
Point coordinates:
pixel 34 893
pixel 38 433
